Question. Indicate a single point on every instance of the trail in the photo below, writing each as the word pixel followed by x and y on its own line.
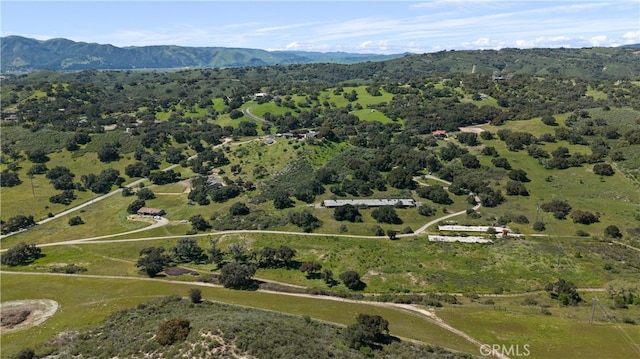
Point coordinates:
pixel 423 313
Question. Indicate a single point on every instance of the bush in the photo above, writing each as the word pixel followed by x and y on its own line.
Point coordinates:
pixel 74 221
pixel 351 280
pixel 539 226
pixel 239 209
pixel 612 232
pixel 426 210
pixel 173 330
pixel 195 295
pixel 603 169
pixel 583 217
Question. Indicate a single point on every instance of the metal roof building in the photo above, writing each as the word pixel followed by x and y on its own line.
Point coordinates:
pixel 332 203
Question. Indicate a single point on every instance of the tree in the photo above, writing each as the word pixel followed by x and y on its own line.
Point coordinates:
pixel 327 277
pixel 173 330
pixel 305 220
pixel 137 169
pixel 468 138
pixel 603 169
pixel 239 209
pixel 145 194
pixel 583 217
pixel 285 255
pixel 470 161
pixel 216 255
pixel 195 295
pixel 153 260
pixel 519 175
pixel 401 178
pixel 282 201
pixel 20 254
pixel 368 330
pixel 9 179
pixel 66 197
pixel 187 250
pixel 435 193
pixel 351 280
pixel 174 155
pixel 564 291
pixel 348 212
pixel 311 268
pixel 501 162
pixel 426 210
pixel 559 208
pixel 16 223
pixel 74 221
pixel 108 153
pixel 238 252
pixel 164 177
pixel 386 214
pixel 549 120
pixel 538 226
pixel 612 231
pixel 37 155
pixel 198 223
pixel 237 276
pixel 135 206
pixel 515 188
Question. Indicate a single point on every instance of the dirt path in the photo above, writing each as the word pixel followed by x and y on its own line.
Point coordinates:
pixel 422 312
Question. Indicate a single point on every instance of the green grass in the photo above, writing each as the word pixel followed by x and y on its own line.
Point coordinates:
pixel 84 302
pixel 566 333
pixel 578 185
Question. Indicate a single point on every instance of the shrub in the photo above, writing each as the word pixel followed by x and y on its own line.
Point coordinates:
pixel 603 169
pixel 195 295
pixel 173 330
pixel 426 210
pixel 612 232
pixel 539 226
pixel 583 217
pixel 74 221
pixel 239 209
pixel 351 280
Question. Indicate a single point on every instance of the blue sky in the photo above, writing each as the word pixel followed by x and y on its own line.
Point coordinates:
pixel 352 26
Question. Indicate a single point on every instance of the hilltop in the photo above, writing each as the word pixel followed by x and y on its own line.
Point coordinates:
pixel 20 54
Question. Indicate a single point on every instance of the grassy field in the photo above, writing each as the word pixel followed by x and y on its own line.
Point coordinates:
pixel 102 296
pixel 565 332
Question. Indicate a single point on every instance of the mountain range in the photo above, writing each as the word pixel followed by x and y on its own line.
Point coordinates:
pixel 20 54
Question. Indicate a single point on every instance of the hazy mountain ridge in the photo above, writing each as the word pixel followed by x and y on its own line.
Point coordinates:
pixel 21 54
pixel 25 54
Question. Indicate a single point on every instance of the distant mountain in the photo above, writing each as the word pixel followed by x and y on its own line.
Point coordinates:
pixel 19 54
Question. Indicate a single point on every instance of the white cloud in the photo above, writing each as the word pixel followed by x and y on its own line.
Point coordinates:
pixel 631 37
pixel 525 43
pixel 599 40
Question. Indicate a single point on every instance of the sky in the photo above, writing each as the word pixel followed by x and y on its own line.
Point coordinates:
pixel 382 27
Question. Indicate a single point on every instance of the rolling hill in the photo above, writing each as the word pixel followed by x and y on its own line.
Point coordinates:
pixel 21 54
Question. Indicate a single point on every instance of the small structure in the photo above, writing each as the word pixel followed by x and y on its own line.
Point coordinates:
pixel 148 211
pixel 439 133
pixel 333 203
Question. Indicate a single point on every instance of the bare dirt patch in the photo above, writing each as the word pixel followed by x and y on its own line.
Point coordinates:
pixel 23 314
